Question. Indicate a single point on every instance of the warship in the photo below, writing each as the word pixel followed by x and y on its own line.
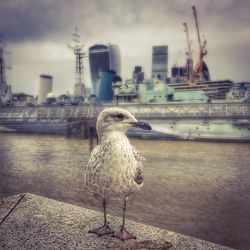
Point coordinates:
pixel 178 115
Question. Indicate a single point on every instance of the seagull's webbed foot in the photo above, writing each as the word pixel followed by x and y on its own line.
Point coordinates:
pixel 103 230
pixel 123 235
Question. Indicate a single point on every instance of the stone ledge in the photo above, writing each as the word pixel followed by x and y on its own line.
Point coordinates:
pixel 37 222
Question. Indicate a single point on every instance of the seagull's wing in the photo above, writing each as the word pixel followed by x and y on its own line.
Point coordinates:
pixel 93 156
pixel 137 156
pixel 139 166
pixel 93 163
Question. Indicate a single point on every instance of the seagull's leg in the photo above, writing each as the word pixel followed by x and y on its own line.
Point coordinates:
pixel 105 229
pixel 123 234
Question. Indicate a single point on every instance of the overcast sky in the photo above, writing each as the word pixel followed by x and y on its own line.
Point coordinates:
pixel 37 33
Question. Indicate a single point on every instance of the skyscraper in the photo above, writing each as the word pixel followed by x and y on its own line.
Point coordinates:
pixel 103 58
pixel 160 62
pixel 138 74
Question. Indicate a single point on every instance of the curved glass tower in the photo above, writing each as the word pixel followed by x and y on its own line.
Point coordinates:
pixel 103 58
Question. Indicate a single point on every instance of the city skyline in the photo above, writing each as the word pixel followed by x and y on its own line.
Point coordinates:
pixel 37 34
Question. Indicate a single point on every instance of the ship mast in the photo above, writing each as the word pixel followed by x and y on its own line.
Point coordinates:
pixel 79 88
pixel 5 89
pixel 2 63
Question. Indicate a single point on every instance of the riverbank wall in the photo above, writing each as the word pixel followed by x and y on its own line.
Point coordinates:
pixel 29 221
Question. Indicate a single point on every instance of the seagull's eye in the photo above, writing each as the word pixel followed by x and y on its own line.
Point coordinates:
pixel 118 117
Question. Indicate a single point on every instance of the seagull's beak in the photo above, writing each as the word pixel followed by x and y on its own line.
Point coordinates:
pixel 142 125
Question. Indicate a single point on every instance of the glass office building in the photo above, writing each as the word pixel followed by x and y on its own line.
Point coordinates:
pixel 103 58
pixel 104 90
pixel 160 62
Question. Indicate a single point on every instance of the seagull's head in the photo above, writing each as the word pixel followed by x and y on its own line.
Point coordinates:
pixel 117 119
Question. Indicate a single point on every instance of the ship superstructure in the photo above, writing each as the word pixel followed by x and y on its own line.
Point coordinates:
pixel 156 91
pixel 239 91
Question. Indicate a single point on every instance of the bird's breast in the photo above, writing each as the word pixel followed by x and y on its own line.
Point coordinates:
pixel 113 168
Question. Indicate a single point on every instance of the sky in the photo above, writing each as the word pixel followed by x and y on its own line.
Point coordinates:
pixel 37 34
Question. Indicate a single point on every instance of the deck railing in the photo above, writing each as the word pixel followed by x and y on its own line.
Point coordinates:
pixel 142 111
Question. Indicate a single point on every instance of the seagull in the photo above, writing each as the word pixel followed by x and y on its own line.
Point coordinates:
pixel 115 167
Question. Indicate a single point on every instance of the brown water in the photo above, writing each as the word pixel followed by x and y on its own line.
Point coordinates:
pixel 195 188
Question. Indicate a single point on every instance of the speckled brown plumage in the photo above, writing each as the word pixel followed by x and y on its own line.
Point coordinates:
pixel 114 167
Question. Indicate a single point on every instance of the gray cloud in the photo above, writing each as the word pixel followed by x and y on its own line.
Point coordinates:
pixel 31 19
pixel 27 19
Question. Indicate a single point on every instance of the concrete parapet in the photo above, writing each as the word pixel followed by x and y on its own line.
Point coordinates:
pixel 33 222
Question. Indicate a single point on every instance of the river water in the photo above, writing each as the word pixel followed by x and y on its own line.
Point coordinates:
pixel 200 189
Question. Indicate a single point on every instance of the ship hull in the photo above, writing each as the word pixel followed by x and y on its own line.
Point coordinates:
pixel 200 130
pixel 47 128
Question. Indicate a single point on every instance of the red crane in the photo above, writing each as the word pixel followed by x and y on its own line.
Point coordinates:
pixel 202 46
pixel 189 53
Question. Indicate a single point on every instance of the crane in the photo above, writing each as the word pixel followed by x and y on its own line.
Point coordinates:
pixel 177 58
pixel 189 53
pixel 202 46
